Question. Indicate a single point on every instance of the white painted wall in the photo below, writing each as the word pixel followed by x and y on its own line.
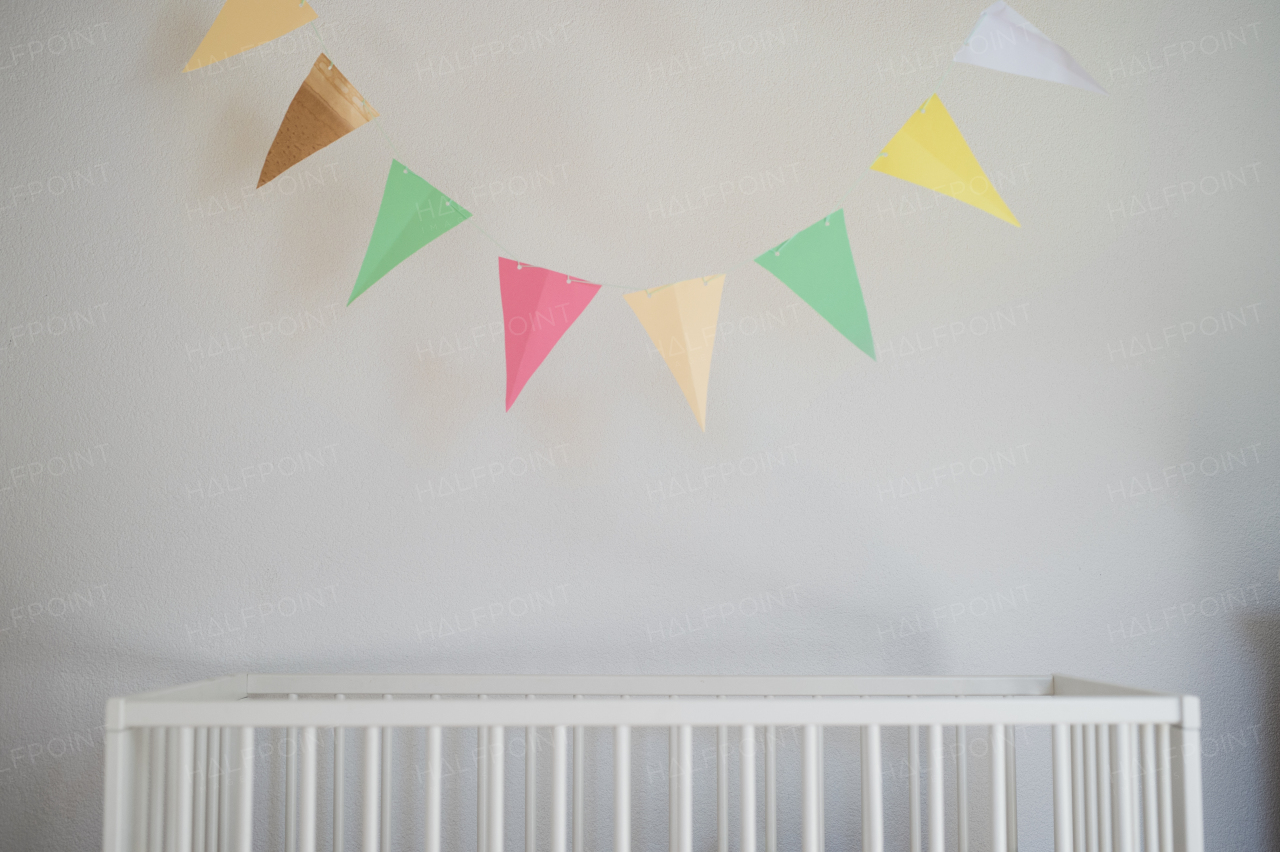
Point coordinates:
pixel 169 333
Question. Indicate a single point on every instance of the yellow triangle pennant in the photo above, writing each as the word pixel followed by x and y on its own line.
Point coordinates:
pixel 930 151
pixel 681 321
pixel 244 24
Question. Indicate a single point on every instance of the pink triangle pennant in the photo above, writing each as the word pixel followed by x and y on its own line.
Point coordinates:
pixel 538 306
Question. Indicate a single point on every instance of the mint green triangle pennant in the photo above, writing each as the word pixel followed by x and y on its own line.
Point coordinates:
pixel 817 264
pixel 413 213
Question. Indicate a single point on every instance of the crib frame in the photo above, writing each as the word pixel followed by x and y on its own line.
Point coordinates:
pixel 1125 762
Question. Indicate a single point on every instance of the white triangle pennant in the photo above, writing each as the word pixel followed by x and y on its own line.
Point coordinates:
pixel 1003 40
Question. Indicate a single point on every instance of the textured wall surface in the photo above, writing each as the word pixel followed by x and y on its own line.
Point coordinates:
pixel 1065 458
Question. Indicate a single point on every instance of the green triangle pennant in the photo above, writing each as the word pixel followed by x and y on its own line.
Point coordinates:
pixel 817 264
pixel 413 213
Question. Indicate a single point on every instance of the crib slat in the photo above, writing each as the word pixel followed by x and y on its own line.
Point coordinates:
pixel 199 792
pixel 686 788
pixel 186 754
pixel 579 787
pixel 1011 787
pixel 748 791
pixel 432 843
pixel 172 785
pixel 1104 788
pixel 559 792
pixel 291 790
pixel 1063 817
pixel 156 812
pixel 496 766
pixel 809 790
pixel 369 825
pixel 937 812
pixel 1150 811
pixel 673 788
pixel 482 789
pixel 771 788
pixel 530 789
pixel 291 787
pixel 224 791
pixel 1122 793
pixel 1166 791
pixel 1077 786
pixel 217 773
pixel 141 789
pixel 722 788
pixel 621 789
pixel 307 792
pixel 873 781
pixel 913 785
pixel 384 827
pixel 244 807
pixel 821 790
pixel 962 789
pixel 339 784
pixel 1091 786
pixel 1135 786
pixel 999 801
pixel 866 793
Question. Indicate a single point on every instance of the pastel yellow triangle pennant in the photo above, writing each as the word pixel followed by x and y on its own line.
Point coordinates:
pixel 245 24
pixel 930 151
pixel 681 321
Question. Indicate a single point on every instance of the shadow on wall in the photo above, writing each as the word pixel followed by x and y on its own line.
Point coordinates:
pixel 1263 634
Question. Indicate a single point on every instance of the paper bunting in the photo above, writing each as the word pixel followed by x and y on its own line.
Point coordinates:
pixel 245 24
pixel 681 321
pixel 1003 40
pixel 325 109
pixel 538 306
pixel 930 151
pixel 817 264
pixel 412 214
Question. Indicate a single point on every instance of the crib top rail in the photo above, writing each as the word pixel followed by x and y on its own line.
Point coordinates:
pixel 509 700
pixel 247 685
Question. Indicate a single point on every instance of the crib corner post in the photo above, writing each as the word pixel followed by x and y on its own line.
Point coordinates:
pixel 1188 801
pixel 118 780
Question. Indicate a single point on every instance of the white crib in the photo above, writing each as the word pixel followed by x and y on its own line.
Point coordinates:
pixel 194 769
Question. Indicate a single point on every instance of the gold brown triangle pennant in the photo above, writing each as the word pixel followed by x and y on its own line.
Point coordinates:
pixel 325 109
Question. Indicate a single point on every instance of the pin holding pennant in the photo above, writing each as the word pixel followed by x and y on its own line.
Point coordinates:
pixel 929 151
pixel 1003 40
pixel 681 321
pixel 538 306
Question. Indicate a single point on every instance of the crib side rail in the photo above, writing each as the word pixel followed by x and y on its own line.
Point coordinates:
pixel 464 712
pixel 1125 768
